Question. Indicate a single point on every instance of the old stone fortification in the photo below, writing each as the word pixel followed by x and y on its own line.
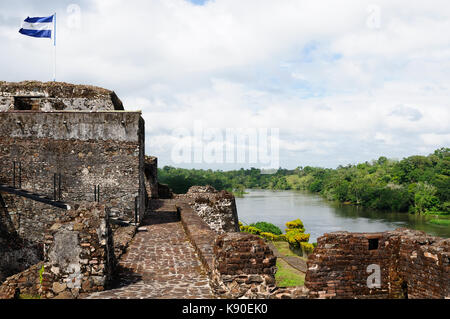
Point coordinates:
pixel 87 149
pixel 16 254
pixel 39 96
pixel 239 265
pixel 411 263
pixel 82 133
pixel 72 143
pixel 78 258
pixel 217 209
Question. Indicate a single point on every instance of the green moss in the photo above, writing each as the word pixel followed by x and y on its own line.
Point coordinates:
pixel 28 296
pixel 41 271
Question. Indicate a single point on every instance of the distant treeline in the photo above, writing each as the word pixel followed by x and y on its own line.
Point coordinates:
pixel 416 184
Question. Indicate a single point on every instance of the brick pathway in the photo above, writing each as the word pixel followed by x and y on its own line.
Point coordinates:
pixel 159 263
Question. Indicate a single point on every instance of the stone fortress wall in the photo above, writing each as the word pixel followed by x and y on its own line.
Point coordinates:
pixel 408 264
pixel 78 131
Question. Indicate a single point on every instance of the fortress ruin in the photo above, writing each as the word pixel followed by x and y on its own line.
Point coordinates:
pixel 76 188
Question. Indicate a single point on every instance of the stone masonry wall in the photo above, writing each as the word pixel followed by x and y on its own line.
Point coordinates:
pixel 47 96
pixel 217 209
pixel 240 265
pixel 88 149
pixel 78 258
pixel 151 176
pixel 411 265
pixel 244 266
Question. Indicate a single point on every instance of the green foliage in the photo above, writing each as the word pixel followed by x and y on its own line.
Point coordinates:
pixel 414 184
pixel 307 248
pixel 425 199
pixel 295 224
pixel 443 222
pixel 296 236
pixel 250 229
pixel 267 227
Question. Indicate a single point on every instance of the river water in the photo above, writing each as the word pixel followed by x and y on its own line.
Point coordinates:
pixel 320 216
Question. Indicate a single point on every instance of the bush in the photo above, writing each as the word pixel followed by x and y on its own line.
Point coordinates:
pixel 265 235
pixel 307 248
pixel 295 224
pixel 268 236
pixel 295 236
pixel 267 228
pixel 250 229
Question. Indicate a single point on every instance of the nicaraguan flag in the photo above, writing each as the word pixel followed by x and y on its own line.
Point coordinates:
pixel 37 27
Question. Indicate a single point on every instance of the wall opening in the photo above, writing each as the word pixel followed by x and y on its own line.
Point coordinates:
pixel 27 103
pixel 373 243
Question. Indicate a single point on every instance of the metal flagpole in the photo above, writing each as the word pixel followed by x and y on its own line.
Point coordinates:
pixel 54 47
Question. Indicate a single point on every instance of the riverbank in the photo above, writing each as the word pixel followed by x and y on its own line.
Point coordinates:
pixel 321 216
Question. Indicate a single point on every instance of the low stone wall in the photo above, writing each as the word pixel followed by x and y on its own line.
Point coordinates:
pixel 244 266
pixel 408 264
pixel 217 209
pixel 24 284
pixel 78 258
pixel 239 265
pixel 199 233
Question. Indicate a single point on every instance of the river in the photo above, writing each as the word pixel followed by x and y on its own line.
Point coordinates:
pixel 320 216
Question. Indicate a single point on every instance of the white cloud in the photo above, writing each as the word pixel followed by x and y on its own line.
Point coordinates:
pixel 338 89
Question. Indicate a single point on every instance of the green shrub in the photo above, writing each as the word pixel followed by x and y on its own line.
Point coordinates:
pixel 251 230
pixel 307 247
pixel 272 237
pixel 295 236
pixel 295 224
pixel 267 228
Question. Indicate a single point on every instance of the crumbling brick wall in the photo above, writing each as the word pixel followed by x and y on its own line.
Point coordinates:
pixel 88 149
pixel 78 258
pixel 411 265
pixel 239 265
pixel 244 266
pixel 217 209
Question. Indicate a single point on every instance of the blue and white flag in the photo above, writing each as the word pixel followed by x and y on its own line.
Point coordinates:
pixel 37 27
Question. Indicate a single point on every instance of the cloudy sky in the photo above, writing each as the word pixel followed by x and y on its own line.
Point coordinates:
pixel 343 81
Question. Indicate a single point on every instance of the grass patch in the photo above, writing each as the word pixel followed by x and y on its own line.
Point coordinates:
pixel 287 276
pixel 283 248
pixel 442 222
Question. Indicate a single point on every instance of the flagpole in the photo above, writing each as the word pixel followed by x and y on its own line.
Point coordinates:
pixel 54 47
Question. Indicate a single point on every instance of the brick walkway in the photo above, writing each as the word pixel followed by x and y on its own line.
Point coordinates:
pixel 159 263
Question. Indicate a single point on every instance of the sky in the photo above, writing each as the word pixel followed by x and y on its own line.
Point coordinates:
pixel 332 82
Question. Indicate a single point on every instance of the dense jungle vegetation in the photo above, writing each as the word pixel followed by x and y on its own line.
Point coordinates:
pixel 416 184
